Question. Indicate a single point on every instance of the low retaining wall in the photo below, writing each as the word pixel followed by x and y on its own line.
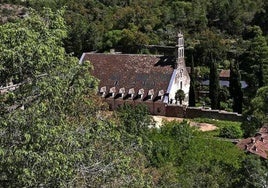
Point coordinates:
pixel 169 110
pixel 175 111
pixel 155 108
pixel 194 112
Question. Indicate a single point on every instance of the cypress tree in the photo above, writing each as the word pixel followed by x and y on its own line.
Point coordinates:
pixel 214 85
pixel 235 87
pixel 192 86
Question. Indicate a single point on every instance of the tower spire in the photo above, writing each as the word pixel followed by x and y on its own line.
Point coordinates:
pixel 180 49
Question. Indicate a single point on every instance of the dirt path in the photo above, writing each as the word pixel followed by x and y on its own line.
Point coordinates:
pixel 201 126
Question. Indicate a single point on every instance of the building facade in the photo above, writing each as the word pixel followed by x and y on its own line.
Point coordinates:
pixel 136 78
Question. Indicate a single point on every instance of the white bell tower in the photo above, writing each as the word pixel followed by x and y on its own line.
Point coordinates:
pixel 181 77
pixel 180 50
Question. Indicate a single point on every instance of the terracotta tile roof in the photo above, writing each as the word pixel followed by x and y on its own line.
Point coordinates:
pixel 257 145
pixel 128 71
pixel 224 74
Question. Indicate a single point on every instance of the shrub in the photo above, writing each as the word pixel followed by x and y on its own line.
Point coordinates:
pixel 231 131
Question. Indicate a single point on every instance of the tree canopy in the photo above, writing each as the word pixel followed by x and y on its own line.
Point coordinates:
pixel 55 132
pixel 52 130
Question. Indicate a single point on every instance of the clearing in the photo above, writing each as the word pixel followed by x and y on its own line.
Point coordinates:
pixel 201 126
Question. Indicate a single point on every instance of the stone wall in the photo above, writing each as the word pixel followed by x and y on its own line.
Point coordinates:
pixel 194 112
pixel 175 111
pixel 155 108
pixel 212 114
pixel 171 110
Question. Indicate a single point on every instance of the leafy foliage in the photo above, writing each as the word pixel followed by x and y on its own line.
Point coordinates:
pixel 52 131
pixel 136 120
pixel 253 172
pixel 214 86
pixel 256 115
pixel 259 104
pixel 231 132
pixel 192 90
pixel 193 158
pixel 61 138
pixel 235 88
pixel 179 95
pixel 205 164
pixel 255 59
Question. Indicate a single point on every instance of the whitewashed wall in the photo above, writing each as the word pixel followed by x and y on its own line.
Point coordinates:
pixel 179 80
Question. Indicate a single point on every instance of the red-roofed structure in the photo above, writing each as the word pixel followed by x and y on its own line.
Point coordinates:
pixel 258 144
pixel 132 71
pixel 224 74
pixel 140 78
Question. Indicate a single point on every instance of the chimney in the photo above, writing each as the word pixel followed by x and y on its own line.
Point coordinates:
pixel 113 91
pixel 141 93
pixel 151 93
pixel 161 94
pixel 255 148
pixel 131 92
pixel 103 91
pixel 122 91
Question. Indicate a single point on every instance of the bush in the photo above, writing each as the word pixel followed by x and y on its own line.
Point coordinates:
pixel 223 106
pixel 250 125
pixel 231 131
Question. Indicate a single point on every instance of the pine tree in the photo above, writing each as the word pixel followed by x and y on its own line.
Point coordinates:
pixel 255 60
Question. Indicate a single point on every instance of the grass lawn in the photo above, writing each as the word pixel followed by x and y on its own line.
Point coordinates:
pixel 217 123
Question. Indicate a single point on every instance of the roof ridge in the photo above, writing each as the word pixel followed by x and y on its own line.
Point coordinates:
pixel 149 55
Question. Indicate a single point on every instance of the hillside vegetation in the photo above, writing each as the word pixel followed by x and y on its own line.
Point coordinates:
pixel 56 132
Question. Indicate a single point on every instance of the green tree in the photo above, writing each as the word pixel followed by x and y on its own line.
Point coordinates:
pixel 261 18
pixel 170 143
pixel 235 88
pixel 214 85
pixel 206 165
pixel 77 33
pixel 253 173
pixel 212 50
pixel 112 38
pixel 211 47
pixel 255 60
pixel 223 97
pixel 259 103
pixel 231 131
pixel 52 130
pixel 250 124
pixel 256 115
pixel 179 96
pixel 230 16
pixel 192 85
pixel 135 119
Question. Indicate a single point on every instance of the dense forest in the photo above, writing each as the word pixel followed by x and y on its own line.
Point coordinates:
pixel 230 33
pixel 56 132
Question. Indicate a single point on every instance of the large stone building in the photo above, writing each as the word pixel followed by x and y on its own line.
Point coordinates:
pixel 148 79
